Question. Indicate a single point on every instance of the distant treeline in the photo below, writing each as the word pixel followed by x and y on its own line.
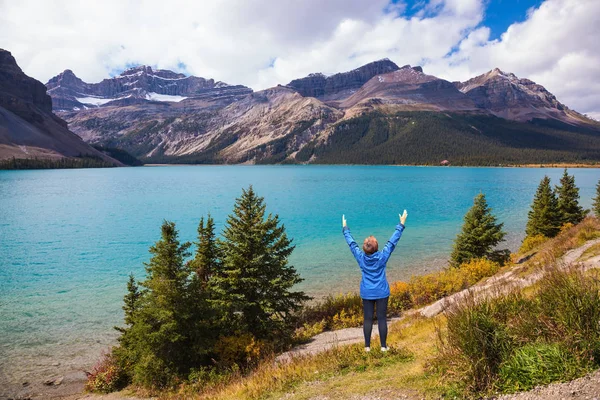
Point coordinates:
pixel 41 163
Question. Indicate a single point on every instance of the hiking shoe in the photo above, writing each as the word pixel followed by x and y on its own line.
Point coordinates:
pixel 367 349
pixel 385 348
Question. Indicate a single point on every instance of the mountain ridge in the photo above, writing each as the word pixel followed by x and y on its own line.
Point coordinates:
pixel 276 124
pixel 135 86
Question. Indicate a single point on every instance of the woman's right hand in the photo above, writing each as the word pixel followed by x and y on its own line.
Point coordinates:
pixel 343 221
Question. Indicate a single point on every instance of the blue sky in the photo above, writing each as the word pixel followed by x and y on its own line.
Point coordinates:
pixel 500 14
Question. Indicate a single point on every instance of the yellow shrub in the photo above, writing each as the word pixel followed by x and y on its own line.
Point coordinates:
pixel 242 349
pixel 345 319
pixel 307 331
pixel 400 298
pixel 566 227
pixel 531 242
pixel 477 269
pixel 428 288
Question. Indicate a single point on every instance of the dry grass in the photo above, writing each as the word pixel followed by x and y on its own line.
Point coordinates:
pixel 591 252
pixel 339 372
pixel 568 239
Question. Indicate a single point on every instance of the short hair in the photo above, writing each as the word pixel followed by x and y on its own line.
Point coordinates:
pixel 370 245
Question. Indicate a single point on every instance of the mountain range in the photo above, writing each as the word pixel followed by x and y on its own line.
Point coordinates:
pixel 28 127
pixel 375 114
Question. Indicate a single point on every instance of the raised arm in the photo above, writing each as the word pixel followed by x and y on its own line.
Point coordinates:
pixel 349 239
pixel 391 244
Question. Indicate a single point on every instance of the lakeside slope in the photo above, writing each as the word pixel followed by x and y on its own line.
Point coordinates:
pixel 311 371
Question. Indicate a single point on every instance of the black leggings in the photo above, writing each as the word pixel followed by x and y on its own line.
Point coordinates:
pixel 368 310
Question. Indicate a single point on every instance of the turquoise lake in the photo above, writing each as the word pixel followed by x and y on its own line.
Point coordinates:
pixel 69 238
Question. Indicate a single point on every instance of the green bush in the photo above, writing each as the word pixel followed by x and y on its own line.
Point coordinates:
pixel 570 302
pixel 483 341
pixel 537 364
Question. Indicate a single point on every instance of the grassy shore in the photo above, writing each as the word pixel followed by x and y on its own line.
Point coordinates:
pixel 425 360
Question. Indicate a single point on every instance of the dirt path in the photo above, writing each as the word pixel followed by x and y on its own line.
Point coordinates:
pixel 499 284
pixel 327 340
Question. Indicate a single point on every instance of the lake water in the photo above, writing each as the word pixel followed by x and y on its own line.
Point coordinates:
pixel 69 238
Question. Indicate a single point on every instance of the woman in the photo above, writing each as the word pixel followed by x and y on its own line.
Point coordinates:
pixel 374 288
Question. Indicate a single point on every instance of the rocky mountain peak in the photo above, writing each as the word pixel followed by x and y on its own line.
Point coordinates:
pixel 8 63
pixel 18 92
pixel 508 96
pixel 67 78
pixel 407 66
pixel 341 85
pixel 137 70
pixel 137 85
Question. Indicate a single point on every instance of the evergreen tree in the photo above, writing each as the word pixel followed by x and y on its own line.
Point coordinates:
pixel 480 234
pixel 204 329
pixel 568 200
pixel 206 261
pixel 544 218
pixel 158 341
pixel 253 287
pixel 596 203
pixel 131 300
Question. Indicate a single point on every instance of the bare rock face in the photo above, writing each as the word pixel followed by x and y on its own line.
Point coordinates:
pixel 28 128
pixel 507 96
pixel 408 88
pixel 340 85
pixel 265 126
pixel 137 85
pixel 19 93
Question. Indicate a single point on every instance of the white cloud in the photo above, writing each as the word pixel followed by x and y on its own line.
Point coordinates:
pixel 556 47
pixel 260 43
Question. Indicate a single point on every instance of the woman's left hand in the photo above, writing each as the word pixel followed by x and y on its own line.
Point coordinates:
pixel 403 217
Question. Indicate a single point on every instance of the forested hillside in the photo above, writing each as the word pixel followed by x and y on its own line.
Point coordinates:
pixel 462 139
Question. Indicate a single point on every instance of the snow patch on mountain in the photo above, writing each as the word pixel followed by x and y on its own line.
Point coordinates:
pixel 164 97
pixel 96 101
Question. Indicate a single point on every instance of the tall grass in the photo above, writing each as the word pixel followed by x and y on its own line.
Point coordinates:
pixel 515 341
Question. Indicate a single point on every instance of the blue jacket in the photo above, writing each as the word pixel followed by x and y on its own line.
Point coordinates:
pixel 373 284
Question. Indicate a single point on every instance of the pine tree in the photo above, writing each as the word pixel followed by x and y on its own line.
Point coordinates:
pixel 568 200
pixel 206 261
pixel 131 300
pixel 253 287
pixel 596 203
pixel 480 234
pixel 544 218
pixel 204 329
pixel 158 341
